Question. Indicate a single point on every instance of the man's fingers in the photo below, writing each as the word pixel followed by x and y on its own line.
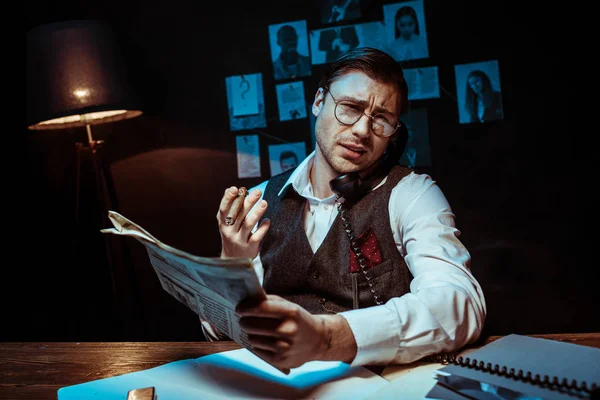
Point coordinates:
pixel 228 197
pixel 267 327
pixel 260 232
pixel 273 307
pixel 249 202
pixel 268 343
pixel 260 326
pixel 256 213
pixel 271 358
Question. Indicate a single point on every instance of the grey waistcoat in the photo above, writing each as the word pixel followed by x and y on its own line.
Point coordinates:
pixel 322 282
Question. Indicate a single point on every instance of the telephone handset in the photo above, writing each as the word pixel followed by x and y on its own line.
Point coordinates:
pixel 352 186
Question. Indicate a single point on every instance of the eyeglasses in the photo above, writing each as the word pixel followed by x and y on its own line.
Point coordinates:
pixel 348 113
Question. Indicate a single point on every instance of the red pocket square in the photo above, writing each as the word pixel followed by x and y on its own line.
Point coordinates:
pixel 370 250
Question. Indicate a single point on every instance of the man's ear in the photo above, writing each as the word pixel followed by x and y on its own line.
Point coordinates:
pixel 318 103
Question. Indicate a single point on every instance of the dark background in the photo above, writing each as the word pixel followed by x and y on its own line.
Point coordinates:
pixel 507 181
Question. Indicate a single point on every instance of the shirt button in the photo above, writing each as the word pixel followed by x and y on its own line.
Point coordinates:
pixel 326 207
pixel 315 274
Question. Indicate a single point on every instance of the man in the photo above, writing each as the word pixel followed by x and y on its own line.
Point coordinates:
pixel 420 297
pixel 290 63
pixel 288 160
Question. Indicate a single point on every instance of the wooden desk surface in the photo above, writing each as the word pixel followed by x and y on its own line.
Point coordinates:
pixel 36 370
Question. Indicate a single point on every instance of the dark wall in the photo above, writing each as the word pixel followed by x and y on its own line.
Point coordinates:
pixel 171 166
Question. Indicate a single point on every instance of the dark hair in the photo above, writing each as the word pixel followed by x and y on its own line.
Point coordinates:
pixel 376 64
pixel 287 154
pixel 402 11
pixel 286 32
pixel 379 66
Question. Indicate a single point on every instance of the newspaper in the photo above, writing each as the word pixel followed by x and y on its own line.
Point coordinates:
pixel 209 286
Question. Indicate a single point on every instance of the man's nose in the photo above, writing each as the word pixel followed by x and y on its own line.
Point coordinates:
pixel 362 127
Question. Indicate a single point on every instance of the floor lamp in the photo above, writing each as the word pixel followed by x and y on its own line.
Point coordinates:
pixel 77 78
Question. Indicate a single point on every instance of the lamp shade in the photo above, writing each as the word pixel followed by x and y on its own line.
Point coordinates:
pixel 76 76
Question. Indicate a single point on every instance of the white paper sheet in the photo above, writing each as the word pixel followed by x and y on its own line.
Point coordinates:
pixel 236 374
pixel 248 156
pixel 244 89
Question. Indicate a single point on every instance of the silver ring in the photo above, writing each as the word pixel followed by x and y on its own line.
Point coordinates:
pixel 229 221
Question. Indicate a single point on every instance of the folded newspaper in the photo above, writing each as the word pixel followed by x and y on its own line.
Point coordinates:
pixel 209 286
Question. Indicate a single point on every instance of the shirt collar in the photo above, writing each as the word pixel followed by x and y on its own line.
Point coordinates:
pixel 300 178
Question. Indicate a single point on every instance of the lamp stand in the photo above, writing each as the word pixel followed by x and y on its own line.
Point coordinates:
pixel 106 197
pixel 104 184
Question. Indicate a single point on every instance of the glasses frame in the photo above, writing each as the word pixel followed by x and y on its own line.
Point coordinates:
pixel 372 117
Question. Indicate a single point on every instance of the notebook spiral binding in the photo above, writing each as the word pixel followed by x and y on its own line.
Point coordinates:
pixel 573 388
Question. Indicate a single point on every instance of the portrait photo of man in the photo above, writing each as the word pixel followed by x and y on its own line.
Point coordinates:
pixel 286 156
pixel 289 50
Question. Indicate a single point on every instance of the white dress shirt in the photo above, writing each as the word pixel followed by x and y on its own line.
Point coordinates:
pixel 445 308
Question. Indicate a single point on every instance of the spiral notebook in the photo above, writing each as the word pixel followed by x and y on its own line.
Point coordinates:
pixel 521 367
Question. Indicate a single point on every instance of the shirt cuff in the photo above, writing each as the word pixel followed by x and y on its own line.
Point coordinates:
pixel 210 332
pixel 374 346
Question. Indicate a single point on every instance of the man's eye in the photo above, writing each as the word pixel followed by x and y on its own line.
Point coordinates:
pixel 351 107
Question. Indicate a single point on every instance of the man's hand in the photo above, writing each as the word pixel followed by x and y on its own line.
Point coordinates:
pixel 286 335
pixel 238 240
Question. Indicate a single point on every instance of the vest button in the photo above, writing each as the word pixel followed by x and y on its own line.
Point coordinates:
pixel 322 300
pixel 315 274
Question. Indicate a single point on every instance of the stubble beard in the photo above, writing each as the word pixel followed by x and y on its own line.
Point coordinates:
pixel 337 164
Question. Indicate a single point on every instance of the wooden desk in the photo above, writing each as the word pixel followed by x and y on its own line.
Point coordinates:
pixel 36 370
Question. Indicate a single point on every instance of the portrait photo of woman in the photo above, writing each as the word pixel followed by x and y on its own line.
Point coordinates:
pixel 405 29
pixel 479 93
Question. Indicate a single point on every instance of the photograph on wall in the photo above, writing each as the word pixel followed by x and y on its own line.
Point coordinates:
pixel 290 100
pixel 371 34
pixel 478 91
pixel 289 50
pixel 333 11
pixel 245 102
pixel 418 152
pixel 423 83
pixel 285 156
pixel 248 156
pixel 327 44
pixel 405 30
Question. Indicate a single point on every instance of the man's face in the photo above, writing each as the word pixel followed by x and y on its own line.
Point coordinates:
pixel 288 44
pixel 288 49
pixel 288 163
pixel 346 148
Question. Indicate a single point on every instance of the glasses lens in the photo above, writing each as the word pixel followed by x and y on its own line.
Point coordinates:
pixel 347 113
pixel 384 124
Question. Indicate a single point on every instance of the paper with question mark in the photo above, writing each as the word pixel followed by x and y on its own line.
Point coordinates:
pixel 245 96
